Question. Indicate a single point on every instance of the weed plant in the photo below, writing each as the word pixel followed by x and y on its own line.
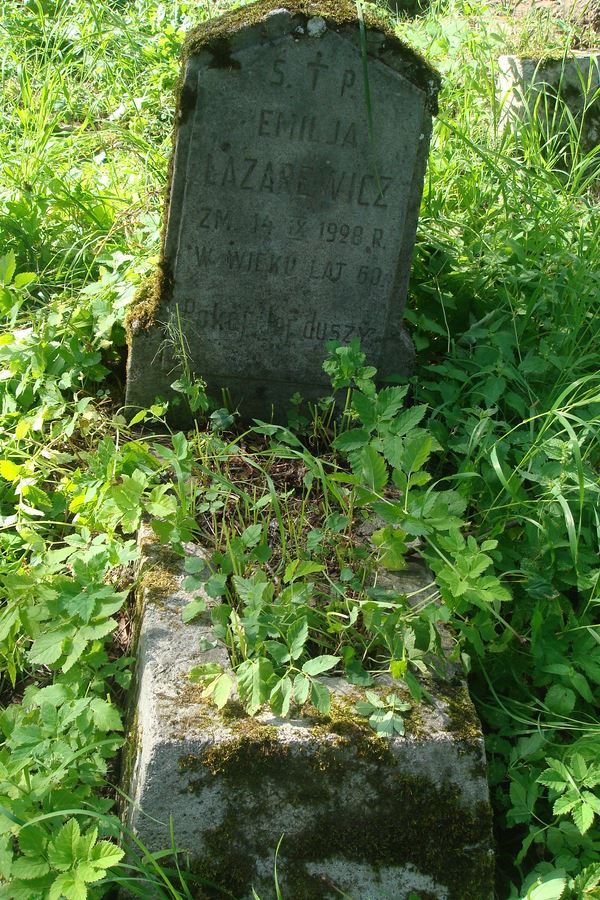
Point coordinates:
pixel 488 464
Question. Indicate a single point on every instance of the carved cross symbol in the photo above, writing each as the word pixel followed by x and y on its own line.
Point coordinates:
pixel 316 66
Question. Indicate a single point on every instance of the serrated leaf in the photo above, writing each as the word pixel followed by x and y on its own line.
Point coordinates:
pixel 216 585
pixel 417 449
pixel 320 697
pixel 372 469
pixel 409 419
pixel 255 679
pixel 206 672
pixel 8 264
pixel 106 716
pixel 351 440
pixel 26 867
pixel 47 648
pixel 9 470
pixel 104 855
pixel 252 535
pixel 194 565
pixel 320 664
pixel 296 637
pixel 281 696
pixel 301 689
pixel 583 816
pixel 560 700
pixel 219 690
pixel 193 609
pixel 62 851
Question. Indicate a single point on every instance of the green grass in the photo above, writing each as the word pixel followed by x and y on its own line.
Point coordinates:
pixel 504 308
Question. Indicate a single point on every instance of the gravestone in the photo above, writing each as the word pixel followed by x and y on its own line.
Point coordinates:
pixel 292 206
pixel 562 95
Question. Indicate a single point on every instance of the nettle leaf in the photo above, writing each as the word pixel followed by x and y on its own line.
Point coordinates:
pixel 320 664
pixel 255 678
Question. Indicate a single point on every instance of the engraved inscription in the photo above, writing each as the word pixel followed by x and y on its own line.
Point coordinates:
pixel 297 179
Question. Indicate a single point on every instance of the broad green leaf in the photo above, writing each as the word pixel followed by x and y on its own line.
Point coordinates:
pixel 372 469
pixel 583 816
pixel 560 700
pixel 219 690
pixel 551 887
pixel 104 855
pixel 69 886
pixel 8 264
pixel 301 689
pixel 216 585
pixel 62 851
pixel 351 440
pixel 193 609
pixel 27 867
pixel 194 565
pixel 281 696
pixel 300 568
pixel 320 697
pixel 206 672
pixel 9 470
pixel 408 420
pixel 252 535
pixel 279 652
pixel 33 840
pixel 255 679
pixel 417 449
pixel 46 649
pixel 296 637
pixel 320 664
pixel 106 716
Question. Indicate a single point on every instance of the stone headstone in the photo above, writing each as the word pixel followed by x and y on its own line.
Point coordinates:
pixel 562 95
pixel 291 222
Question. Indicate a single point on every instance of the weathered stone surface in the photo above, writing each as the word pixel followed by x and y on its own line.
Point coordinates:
pixel 529 88
pixel 288 223
pixel 372 817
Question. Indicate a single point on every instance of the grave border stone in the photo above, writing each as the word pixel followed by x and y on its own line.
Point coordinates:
pixel 426 818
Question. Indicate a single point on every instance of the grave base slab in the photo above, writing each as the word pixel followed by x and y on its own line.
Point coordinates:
pixel 359 816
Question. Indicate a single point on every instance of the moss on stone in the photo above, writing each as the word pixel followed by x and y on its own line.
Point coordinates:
pixel 415 821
